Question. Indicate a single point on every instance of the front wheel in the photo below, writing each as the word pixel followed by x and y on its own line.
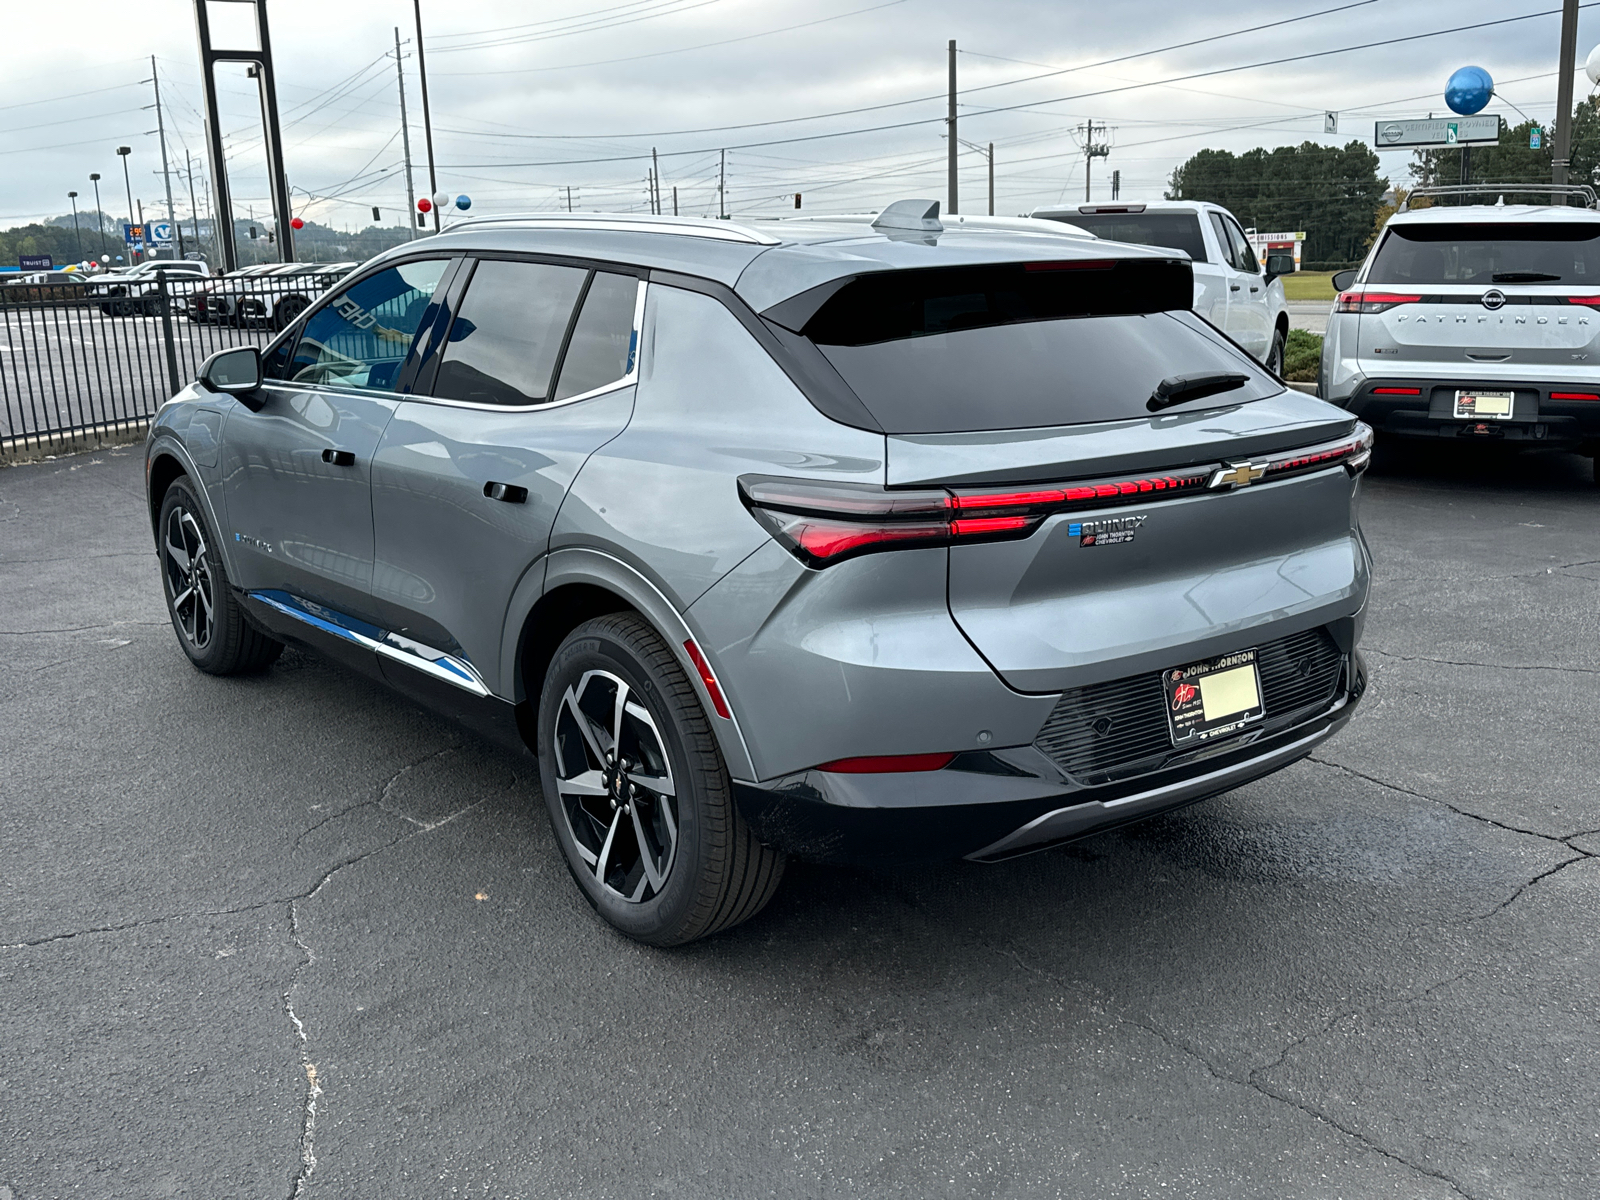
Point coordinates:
pixel 207 618
pixel 1275 356
pixel 639 796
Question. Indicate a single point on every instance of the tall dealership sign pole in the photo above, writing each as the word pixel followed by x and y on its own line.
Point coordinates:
pixel 427 120
pixel 1569 54
pixel 261 59
pixel 950 129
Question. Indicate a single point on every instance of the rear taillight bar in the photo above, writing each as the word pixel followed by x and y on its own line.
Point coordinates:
pixel 1575 395
pixel 822 523
pixel 1358 301
pixel 1394 391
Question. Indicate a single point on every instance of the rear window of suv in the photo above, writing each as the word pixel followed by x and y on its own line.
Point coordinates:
pixel 1174 230
pixel 1020 346
pixel 1545 252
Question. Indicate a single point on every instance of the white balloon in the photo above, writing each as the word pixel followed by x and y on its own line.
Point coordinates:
pixel 441 200
pixel 1591 65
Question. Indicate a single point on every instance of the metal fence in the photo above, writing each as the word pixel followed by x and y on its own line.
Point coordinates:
pixel 94 359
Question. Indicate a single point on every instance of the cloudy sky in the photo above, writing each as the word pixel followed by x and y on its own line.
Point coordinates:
pixel 840 100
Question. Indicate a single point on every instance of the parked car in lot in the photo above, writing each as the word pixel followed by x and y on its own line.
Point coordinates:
pixel 863 542
pixel 272 297
pixel 1474 322
pixel 133 291
pixel 1232 288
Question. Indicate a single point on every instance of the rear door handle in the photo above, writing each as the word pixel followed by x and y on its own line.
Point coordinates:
pixel 1254 288
pixel 339 458
pixel 1234 287
pixel 509 492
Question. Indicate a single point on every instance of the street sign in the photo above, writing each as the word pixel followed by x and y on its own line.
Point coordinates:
pixel 133 235
pixel 1330 122
pixel 1535 138
pixel 1455 131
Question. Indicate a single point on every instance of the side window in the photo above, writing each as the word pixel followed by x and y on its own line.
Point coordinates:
pixel 1243 252
pixel 362 336
pixel 601 349
pixel 1229 255
pixel 508 332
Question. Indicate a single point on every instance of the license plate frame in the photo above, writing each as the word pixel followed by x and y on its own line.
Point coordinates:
pixel 1234 692
pixel 1467 405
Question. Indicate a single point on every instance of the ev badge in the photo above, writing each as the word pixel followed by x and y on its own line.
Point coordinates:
pixel 1237 475
pixel 1494 298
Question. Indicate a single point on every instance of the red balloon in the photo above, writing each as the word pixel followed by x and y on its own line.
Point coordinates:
pixel 297 223
pixel 424 205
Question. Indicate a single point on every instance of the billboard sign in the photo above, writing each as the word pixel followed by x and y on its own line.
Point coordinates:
pixel 35 262
pixel 1444 131
pixel 133 235
pixel 159 233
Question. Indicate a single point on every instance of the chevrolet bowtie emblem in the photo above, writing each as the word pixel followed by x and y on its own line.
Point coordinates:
pixel 1237 475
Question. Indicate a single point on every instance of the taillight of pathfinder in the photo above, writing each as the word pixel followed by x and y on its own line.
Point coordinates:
pixel 1356 301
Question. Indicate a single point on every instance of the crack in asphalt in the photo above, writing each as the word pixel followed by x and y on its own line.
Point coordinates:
pixel 383 794
pixel 1450 662
pixel 1561 866
pixel 308 1117
pixel 79 628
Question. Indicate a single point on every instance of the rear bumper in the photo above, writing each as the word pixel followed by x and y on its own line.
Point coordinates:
pixel 993 805
pixel 1536 418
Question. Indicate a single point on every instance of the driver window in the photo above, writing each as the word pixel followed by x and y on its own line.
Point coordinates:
pixel 361 338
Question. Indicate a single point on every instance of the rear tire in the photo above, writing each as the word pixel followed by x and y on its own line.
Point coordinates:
pixel 206 616
pixel 290 308
pixel 638 794
pixel 1275 355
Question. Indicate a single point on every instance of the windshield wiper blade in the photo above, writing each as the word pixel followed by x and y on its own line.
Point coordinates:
pixel 1178 389
pixel 1524 277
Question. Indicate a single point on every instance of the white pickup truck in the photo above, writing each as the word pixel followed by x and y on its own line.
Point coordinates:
pixel 1232 289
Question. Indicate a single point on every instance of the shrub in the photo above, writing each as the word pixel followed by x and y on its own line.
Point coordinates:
pixel 1302 356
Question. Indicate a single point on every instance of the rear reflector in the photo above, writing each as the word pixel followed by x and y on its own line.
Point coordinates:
pixel 883 764
pixel 1397 391
pixel 713 689
pixel 1574 396
pixel 1372 302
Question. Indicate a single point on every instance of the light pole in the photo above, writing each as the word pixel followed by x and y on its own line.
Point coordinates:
pixel 99 213
pixel 77 235
pixel 122 153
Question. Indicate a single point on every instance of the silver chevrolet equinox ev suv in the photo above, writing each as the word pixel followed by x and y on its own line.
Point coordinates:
pixel 863 542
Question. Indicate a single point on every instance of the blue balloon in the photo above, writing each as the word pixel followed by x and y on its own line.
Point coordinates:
pixel 463 202
pixel 1468 91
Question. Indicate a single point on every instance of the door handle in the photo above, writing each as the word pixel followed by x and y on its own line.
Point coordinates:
pixel 1234 287
pixel 339 458
pixel 1254 288
pixel 509 492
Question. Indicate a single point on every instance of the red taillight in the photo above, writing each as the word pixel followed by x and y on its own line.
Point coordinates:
pixel 1574 396
pixel 1354 453
pixel 1372 302
pixel 882 764
pixel 713 689
pixel 1397 391
pixel 1586 301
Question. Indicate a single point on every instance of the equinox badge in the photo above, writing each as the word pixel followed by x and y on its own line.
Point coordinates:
pixel 1237 475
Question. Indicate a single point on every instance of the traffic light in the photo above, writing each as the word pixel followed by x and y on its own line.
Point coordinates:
pixel 797 199
pixel 375 217
pixel 254 233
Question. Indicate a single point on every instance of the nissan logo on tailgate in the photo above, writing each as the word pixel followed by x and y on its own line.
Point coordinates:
pixel 1494 298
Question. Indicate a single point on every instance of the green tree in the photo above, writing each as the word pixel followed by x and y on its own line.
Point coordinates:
pixel 1331 192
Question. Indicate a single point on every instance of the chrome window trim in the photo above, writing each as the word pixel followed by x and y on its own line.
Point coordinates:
pixel 628 380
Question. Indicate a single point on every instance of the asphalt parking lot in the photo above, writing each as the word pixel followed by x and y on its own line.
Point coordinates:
pixel 287 936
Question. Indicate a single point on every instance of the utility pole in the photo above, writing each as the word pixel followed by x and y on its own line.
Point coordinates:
pixel 427 120
pixel 991 179
pixel 405 138
pixel 99 213
pixel 76 235
pixel 655 184
pixel 722 188
pixel 194 209
pixel 674 199
pixel 950 130
pixel 1569 53
pixel 161 134
pixel 569 197
pixel 1116 185
pixel 1091 151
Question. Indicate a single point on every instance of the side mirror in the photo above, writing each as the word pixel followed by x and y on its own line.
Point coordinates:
pixel 235 372
pixel 1342 280
pixel 1279 264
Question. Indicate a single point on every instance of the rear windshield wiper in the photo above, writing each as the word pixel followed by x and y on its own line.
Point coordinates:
pixel 1524 277
pixel 1177 389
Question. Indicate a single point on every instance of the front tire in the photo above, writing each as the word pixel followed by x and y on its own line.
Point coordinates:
pixel 208 619
pixel 639 796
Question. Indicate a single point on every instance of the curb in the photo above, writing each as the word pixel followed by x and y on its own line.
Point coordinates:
pixel 33 447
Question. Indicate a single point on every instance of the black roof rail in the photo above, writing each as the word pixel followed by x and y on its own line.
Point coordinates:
pixel 1581 190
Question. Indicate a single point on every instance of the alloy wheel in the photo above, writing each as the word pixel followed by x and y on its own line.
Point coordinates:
pixel 616 785
pixel 187 569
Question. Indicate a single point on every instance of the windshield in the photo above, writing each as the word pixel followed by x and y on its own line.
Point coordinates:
pixel 1177 231
pixel 959 350
pixel 1543 252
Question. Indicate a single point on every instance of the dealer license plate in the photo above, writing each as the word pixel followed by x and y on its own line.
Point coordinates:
pixel 1475 406
pixel 1208 699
